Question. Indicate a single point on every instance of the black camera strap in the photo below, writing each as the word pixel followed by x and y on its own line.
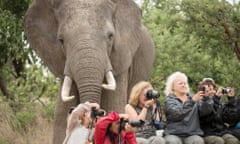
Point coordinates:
pixel 157 112
pixel 120 130
pixel 91 127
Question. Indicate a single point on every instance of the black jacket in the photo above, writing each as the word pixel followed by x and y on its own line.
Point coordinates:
pixel 222 118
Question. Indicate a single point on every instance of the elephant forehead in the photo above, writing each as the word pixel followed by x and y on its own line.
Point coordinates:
pixel 81 4
pixel 84 13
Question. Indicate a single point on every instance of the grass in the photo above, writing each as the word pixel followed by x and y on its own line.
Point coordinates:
pixel 38 133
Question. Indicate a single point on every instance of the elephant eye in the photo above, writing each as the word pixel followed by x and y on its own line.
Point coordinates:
pixel 110 36
pixel 61 41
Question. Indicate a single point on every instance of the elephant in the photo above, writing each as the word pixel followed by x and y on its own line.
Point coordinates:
pixel 97 48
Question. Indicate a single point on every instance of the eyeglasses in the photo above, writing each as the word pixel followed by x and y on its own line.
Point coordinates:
pixel 208 79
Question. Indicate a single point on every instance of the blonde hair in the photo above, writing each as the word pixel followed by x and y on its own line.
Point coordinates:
pixel 136 91
pixel 170 80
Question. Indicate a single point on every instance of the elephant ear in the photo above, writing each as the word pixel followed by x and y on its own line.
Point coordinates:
pixel 127 22
pixel 40 27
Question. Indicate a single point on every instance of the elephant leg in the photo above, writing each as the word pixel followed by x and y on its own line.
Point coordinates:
pixel 60 119
pixel 116 100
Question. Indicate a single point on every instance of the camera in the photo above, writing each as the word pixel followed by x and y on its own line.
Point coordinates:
pixel 202 88
pixel 226 90
pixel 95 112
pixel 133 123
pixel 151 94
pixel 159 125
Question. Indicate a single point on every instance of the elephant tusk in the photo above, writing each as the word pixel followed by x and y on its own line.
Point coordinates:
pixel 66 87
pixel 111 83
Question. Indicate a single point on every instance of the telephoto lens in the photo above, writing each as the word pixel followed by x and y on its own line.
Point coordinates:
pixel 133 123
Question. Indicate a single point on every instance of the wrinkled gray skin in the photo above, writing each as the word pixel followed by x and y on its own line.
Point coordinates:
pixel 84 39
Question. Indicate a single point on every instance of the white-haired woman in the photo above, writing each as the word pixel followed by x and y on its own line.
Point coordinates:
pixel 183 110
pixel 78 124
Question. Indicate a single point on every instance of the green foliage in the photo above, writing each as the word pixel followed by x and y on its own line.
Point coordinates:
pixel 3 140
pixel 215 22
pixel 39 83
pixel 14 51
pixel 24 119
pixel 186 42
pixel 11 31
pixel 48 111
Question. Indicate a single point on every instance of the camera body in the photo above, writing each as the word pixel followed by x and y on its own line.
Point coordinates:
pixel 151 94
pixel 159 125
pixel 226 90
pixel 133 123
pixel 95 112
pixel 202 88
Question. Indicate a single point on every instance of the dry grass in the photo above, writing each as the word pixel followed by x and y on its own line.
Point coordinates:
pixel 40 133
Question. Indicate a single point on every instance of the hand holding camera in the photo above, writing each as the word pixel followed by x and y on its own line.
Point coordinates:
pixel 97 113
pixel 96 105
pixel 225 91
pixel 152 94
pixel 229 91
pixel 201 92
pixel 127 125
pixel 197 96
pixel 206 90
pixel 151 97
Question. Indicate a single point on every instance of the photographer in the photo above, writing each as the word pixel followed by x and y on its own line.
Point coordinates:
pixel 183 111
pixel 143 105
pixel 79 123
pixel 217 124
pixel 109 130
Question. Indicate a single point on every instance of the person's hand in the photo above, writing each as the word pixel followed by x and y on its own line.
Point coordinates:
pixel 231 92
pixel 96 105
pixel 124 116
pixel 219 91
pixel 149 103
pixel 197 96
pixel 128 128
pixel 208 92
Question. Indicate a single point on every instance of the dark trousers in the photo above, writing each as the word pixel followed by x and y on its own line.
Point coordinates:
pixel 236 132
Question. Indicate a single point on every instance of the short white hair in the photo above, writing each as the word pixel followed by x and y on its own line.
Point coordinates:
pixel 170 80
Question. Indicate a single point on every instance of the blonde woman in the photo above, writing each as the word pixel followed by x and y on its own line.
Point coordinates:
pixel 142 108
pixel 78 124
pixel 183 111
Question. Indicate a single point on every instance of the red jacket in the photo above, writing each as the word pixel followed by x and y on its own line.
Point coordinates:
pixel 101 129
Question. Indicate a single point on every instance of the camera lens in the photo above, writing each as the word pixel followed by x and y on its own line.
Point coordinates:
pixel 95 112
pixel 133 123
pixel 151 94
pixel 136 123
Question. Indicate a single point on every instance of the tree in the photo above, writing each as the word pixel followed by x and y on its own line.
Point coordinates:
pixel 183 46
pixel 215 20
pixel 23 78
pixel 12 42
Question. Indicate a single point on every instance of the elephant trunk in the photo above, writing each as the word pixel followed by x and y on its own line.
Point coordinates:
pixel 88 70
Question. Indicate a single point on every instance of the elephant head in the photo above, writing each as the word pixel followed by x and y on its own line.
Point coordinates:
pixel 98 48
